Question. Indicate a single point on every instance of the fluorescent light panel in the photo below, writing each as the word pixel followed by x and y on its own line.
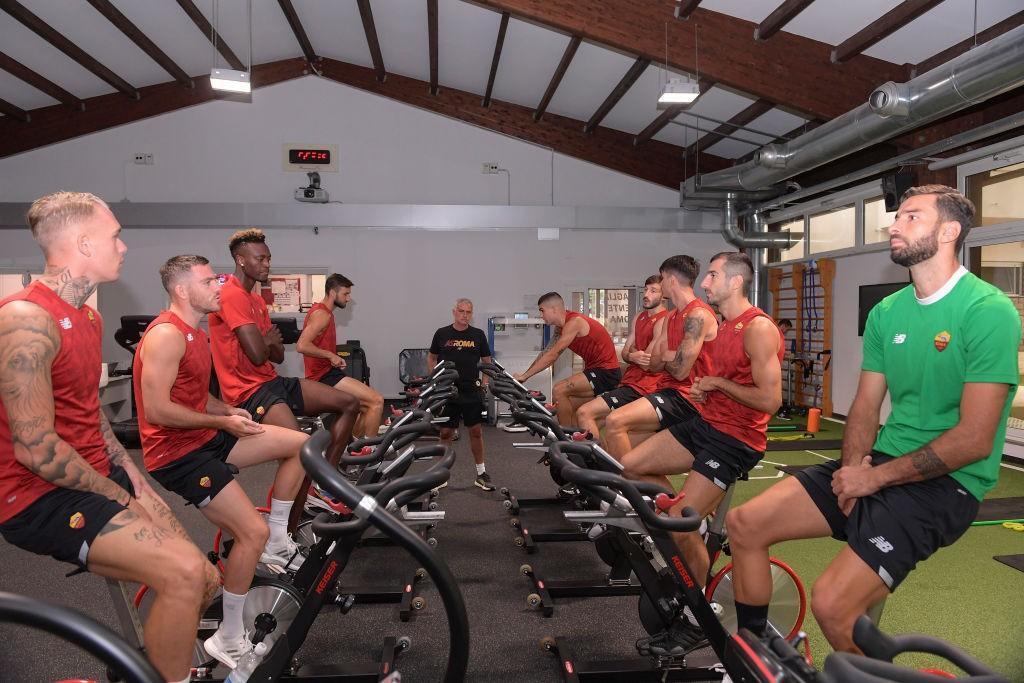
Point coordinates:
pixel 230 80
pixel 678 91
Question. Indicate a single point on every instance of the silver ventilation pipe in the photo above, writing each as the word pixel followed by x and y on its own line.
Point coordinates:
pixel 759 259
pixel 759 240
pixel 986 71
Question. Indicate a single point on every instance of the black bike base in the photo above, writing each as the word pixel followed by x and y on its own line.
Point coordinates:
pixel 614 671
pixel 543 599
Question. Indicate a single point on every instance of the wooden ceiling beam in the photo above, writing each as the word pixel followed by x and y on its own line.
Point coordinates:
pixel 685 8
pixel 372 41
pixel 135 34
pixel 9 109
pixel 498 43
pixel 52 124
pixel 621 88
pixel 197 17
pixel 432 39
pixel 53 37
pixel 556 78
pixel 780 16
pixel 41 83
pixel 657 162
pixel 963 46
pixel 789 69
pixel 758 108
pixel 667 115
pixel 296 24
pixel 882 27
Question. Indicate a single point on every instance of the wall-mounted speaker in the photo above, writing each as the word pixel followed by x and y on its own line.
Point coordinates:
pixel 894 185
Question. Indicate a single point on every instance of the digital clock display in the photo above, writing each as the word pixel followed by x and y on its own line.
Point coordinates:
pixel 309 156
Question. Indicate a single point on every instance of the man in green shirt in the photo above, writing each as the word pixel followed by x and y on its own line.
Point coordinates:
pixel 945 349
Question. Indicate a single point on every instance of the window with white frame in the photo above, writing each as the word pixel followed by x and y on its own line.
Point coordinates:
pixel 833 229
pixel 877 221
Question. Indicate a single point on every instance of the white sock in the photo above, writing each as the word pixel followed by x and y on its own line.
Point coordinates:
pixel 689 615
pixel 231 627
pixel 480 469
pixel 278 522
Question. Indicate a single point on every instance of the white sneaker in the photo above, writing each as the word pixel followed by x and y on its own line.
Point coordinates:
pixel 514 427
pixel 227 653
pixel 287 556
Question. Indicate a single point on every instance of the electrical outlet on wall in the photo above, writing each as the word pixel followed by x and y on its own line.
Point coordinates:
pixel 149 159
pixel 489 168
pixel 139 158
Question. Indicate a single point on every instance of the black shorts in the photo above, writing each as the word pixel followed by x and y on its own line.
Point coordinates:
pixel 332 377
pixel 467 407
pixel 897 527
pixel 64 523
pixel 285 390
pixel 618 397
pixel 199 476
pixel 718 457
pixel 602 380
pixel 671 407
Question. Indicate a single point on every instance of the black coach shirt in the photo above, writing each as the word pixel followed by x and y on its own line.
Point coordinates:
pixel 465 348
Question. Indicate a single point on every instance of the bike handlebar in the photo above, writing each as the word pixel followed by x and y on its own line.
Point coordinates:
pixel 689 521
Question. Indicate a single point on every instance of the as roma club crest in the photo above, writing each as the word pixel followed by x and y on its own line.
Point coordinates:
pixel 942 340
pixel 77 521
pixel 205 482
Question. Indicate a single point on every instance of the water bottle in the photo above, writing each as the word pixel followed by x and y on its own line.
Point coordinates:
pixel 247 663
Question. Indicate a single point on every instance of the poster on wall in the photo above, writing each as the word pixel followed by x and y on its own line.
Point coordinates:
pixel 287 293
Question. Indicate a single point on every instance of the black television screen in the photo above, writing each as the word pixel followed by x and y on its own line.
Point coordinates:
pixel 871 295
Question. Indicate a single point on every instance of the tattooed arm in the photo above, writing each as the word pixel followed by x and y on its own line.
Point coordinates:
pixel 697 327
pixel 29 341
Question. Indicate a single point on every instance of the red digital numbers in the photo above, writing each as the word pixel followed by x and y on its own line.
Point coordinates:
pixel 309 156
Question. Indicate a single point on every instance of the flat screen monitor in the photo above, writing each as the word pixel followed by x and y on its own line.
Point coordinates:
pixel 871 295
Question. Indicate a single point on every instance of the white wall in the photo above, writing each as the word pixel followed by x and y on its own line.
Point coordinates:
pixel 405 280
pixel 852 272
pixel 389 153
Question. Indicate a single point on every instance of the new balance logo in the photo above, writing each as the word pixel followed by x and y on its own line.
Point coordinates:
pixel 881 543
pixel 899 338
pixel 189 336
pixel 713 464
pixel 65 323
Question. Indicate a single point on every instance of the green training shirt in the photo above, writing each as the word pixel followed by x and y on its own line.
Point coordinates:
pixel 968 331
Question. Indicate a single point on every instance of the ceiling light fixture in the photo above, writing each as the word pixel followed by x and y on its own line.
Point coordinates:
pixel 230 80
pixel 678 91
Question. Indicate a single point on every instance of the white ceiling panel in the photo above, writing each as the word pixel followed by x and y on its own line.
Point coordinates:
pixel 777 122
pixel 718 103
pixel 26 47
pixel 593 74
pixel 336 31
pixel 465 45
pixel 272 38
pixel 945 25
pixel 402 30
pixel 18 93
pixel 528 60
pixel 101 40
pixel 167 25
pixel 730 149
pixel 749 10
pixel 639 106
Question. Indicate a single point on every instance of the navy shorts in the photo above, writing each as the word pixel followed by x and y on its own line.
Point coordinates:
pixel 332 377
pixel 64 523
pixel 616 398
pixel 602 380
pixel 671 407
pixel 285 390
pixel 467 407
pixel 718 457
pixel 897 527
pixel 200 475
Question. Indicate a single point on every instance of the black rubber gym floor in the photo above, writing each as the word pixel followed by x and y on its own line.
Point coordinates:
pixel 475 540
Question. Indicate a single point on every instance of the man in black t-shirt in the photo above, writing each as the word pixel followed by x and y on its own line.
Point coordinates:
pixel 466 346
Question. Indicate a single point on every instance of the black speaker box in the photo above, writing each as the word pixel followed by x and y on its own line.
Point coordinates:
pixel 894 185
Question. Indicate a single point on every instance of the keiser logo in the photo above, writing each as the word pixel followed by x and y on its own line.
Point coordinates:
pixel 678 564
pixel 328 575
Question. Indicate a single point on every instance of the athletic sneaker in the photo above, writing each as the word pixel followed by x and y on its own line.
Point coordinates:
pixel 319 500
pixel 484 482
pixel 227 653
pixel 514 427
pixel 288 556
